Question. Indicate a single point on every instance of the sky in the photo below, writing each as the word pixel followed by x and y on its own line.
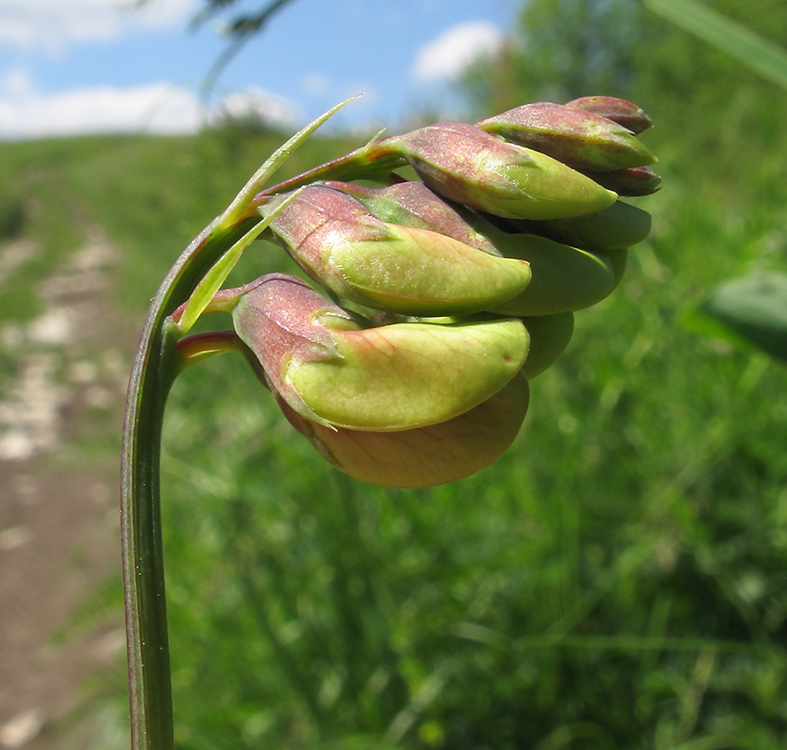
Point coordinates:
pixel 69 67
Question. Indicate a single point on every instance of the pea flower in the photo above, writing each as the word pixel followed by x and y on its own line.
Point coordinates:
pixel 450 293
pixel 581 139
pixel 333 370
pixel 397 268
pixel 476 169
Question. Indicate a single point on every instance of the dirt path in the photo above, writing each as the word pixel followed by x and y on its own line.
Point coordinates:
pixel 59 520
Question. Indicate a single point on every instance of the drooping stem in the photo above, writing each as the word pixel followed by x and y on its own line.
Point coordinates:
pixel 156 365
pixel 157 362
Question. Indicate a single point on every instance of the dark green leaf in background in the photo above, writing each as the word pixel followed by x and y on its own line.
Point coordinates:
pixel 756 308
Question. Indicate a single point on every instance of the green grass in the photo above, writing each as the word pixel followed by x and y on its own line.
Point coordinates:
pixel 616 580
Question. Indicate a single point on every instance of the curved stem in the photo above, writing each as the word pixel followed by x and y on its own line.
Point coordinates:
pixel 155 367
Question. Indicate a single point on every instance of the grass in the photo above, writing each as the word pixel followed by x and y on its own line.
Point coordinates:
pixel 616 580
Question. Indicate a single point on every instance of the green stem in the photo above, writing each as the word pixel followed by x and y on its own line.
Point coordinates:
pixel 201 346
pixel 155 367
pixel 375 161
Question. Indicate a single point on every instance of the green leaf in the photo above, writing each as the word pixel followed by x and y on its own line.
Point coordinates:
pixel 754 307
pixel 762 56
pixel 240 204
pixel 213 279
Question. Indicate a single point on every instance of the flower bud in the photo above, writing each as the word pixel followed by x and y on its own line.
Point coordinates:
pixel 578 138
pixel 332 371
pixel 629 115
pixel 633 182
pixel 618 259
pixel 413 204
pixel 425 456
pixel 549 337
pixel 564 278
pixel 605 233
pixel 470 166
pixel 615 228
pixel 389 267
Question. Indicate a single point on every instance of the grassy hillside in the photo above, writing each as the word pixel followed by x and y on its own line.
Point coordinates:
pixel 615 581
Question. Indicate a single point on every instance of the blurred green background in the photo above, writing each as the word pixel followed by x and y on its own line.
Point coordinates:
pixel 617 580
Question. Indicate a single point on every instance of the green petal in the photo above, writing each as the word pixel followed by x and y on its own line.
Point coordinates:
pixel 425 456
pixel 418 272
pixel 615 228
pixel 408 375
pixel 564 278
pixel 549 337
pixel 551 190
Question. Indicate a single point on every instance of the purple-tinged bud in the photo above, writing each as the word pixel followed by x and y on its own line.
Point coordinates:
pixel 470 166
pixel 425 456
pixel 631 182
pixel 389 267
pixel 580 139
pixel 624 113
pixel 285 322
pixel 335 372
pixel 412 204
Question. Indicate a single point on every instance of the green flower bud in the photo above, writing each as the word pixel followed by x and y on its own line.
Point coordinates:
pixel 629 115
pixel 335 372
pixel 389 267
pixel 618 259
pixel 564 278
pixel 605 233
pixel 413 204
pixel 632 182
pixel 549 337
pixel 615 228
pixel 425 456
pixel 470 166
pixel 578 138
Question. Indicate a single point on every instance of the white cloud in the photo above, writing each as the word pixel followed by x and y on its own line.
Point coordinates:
pixel 52 24
pixel 315 84
pixel 155 107
pixel 254 102
pixel 151 108
pixel 455 49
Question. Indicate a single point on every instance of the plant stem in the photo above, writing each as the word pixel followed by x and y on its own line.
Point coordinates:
pixel 156 364
pixel 150 692
pixel 375 161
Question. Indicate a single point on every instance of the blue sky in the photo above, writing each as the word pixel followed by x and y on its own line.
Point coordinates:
pixel 77 66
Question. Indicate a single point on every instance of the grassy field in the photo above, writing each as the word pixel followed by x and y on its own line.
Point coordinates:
pixel 616 580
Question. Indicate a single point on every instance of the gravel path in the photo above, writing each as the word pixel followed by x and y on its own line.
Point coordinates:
pixel 59 520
